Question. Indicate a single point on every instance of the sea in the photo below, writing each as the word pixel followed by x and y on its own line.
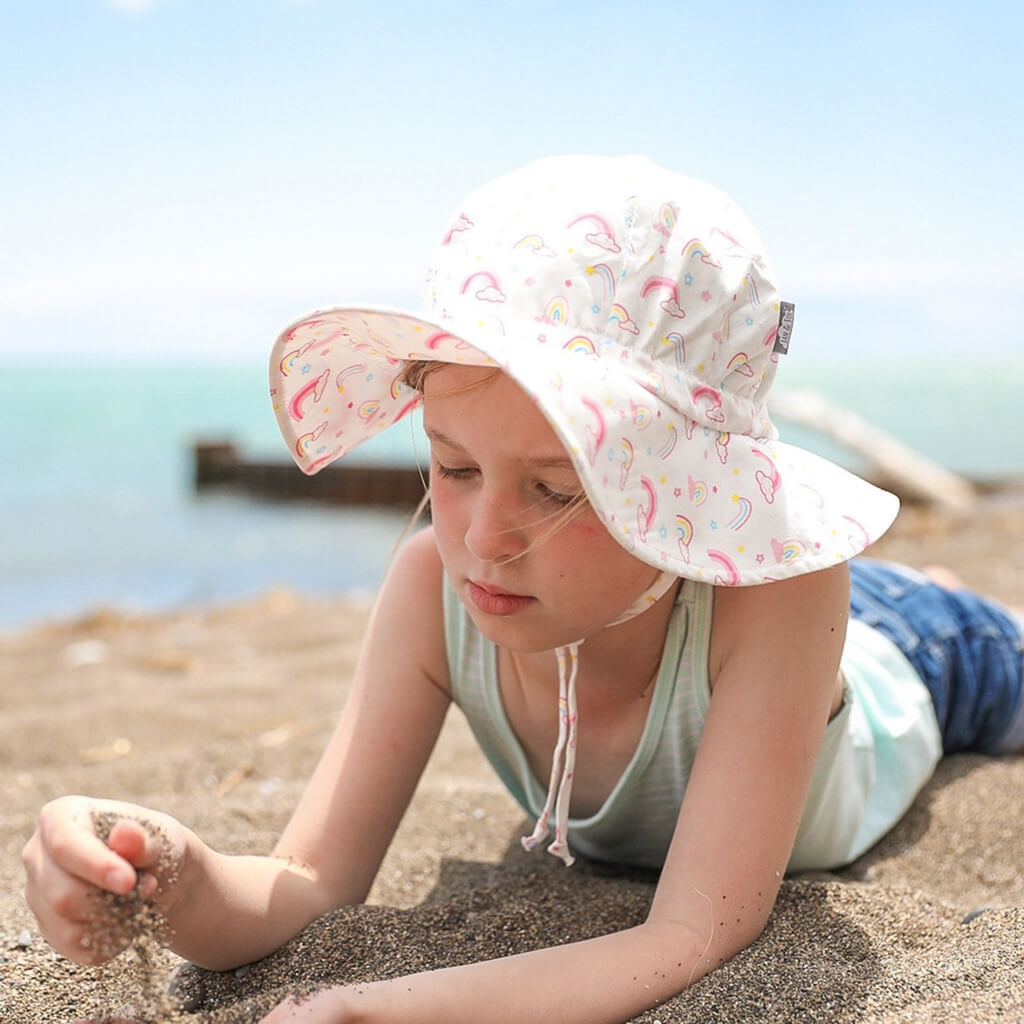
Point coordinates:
pixel 98 508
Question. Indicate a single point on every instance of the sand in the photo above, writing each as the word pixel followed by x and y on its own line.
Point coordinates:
pixel 217 716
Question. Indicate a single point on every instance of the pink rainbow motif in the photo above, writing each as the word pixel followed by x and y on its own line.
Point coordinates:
pixel 751 284
pixel 666 219
pixel 580 343
pixel 532 242
pixel 685 528
pixel 698 491
pixel 620 315
pixel 740 363
pixel 695 247
pixel 304 326
pixel 348 371
pixel 437 337
pixel 671 304
pixel 768 481
pixel 639 414
pixel 713 403
pixel 787 551
pixel 368 409
pixel 670 444
pixel 732 577
pixel 604 272
pixel 303 443
pixel 627 462
pixel 860 527
pixel 595 436
pixel 314 388
pixel 659 282
pixel 645 513
pixel 722 446
pixel 462 224
pixel 287 362
pixel 556 311
pixel 491 292
pixel 742 515
pixel 675 339
pixel 725 234
pixel 604 238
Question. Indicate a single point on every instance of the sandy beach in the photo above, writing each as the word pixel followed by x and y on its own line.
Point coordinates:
pixel 217 716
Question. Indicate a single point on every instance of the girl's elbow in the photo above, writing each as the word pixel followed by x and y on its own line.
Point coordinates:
pixel 706 945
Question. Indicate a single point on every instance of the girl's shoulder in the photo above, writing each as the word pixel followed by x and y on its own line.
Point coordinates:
pixel 417 561
pixel 782 613
pixel 410 605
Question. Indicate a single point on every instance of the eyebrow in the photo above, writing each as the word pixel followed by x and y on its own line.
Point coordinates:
pixel 544 462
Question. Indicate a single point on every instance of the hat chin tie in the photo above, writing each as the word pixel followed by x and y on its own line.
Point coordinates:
pixel 563 760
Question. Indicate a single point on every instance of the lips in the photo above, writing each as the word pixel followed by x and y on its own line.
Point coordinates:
pixel 493 600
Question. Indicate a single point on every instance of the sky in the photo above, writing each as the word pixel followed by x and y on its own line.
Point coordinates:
pixel 180 179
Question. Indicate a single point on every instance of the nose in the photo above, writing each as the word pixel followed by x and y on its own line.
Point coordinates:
pixel 494 532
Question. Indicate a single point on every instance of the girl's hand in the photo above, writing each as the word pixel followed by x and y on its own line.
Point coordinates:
pixel 327 1007
pixel 68 867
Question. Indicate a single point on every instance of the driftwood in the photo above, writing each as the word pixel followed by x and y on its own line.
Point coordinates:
pixel 892 464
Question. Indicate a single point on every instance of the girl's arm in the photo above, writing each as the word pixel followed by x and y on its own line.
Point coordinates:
pixel 333 845
pixel 229 910
pixel 775 654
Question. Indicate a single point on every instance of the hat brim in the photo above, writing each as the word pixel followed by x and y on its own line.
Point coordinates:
pixel 722 508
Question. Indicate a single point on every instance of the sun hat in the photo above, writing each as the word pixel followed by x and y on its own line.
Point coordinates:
pixel 636 307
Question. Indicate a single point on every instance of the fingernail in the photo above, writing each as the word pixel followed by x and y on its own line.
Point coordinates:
pixel 119 879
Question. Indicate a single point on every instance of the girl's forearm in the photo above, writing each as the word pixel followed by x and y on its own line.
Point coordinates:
pixel 606 980
pixel 226 911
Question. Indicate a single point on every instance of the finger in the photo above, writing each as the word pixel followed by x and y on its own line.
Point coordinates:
pixel 280 1014
pixel 50 891
pixel 75 848
pixel 74 936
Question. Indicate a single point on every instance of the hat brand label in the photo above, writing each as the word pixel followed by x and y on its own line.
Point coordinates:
pixel 785 328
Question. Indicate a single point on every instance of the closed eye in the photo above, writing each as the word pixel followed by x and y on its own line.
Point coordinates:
pixel 556 497
pixel 453 472
pixel 544 491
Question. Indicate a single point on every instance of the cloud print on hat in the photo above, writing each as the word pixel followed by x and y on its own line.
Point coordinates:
pixel 637 309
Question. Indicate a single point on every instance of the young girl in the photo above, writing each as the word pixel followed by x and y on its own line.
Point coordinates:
pixel 640 599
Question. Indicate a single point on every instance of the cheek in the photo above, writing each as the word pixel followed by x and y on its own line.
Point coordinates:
pixel 586 539
pixel 450 517
pixel 590 540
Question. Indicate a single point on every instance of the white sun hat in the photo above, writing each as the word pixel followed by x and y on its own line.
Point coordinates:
pixel 636 308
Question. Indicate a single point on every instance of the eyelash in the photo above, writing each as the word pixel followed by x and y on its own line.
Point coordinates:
pixel 460 473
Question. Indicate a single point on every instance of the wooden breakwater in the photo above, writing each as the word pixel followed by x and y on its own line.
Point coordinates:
pixel 219 464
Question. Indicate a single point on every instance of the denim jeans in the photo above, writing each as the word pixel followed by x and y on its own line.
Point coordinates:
pixel 968 651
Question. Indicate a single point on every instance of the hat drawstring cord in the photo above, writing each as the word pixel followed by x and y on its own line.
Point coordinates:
pixel 560 784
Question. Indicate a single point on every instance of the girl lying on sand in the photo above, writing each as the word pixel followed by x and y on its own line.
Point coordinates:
pixel 624 567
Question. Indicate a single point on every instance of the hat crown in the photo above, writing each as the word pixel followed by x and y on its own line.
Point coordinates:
pixel 618 258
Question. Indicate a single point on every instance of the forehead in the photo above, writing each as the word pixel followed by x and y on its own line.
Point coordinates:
pixel 471 407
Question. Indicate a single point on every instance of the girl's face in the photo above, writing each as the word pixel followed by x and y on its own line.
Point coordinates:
pixel 500 483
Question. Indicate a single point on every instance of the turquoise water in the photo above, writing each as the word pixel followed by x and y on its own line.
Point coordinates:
pixel 97 505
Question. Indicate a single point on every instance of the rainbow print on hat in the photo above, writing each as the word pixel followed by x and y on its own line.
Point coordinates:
pixel 638 310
